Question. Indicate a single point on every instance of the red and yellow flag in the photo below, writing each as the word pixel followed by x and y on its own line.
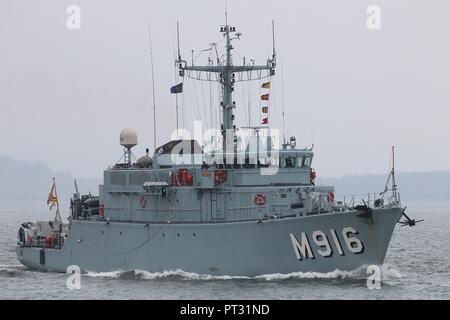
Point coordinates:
pixel 265 109
pixel 52 196
pixel 52 200
pixel 265 97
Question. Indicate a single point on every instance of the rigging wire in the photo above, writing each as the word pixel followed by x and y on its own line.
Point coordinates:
pixel 195 102
pixel 260 104
pixel 175 78
pixel 245 104
pixel 205 108
pixel 153 87
pixel 211 107
pixel 183 103
pixel 282 103
pixel 249 105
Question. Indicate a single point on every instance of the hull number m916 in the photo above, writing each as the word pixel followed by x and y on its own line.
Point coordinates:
pixel 302 246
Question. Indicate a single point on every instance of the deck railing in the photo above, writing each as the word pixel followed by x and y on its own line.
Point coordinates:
pixel 370 199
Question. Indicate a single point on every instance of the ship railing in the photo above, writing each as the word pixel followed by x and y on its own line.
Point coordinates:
pixel 40 242
pixel 370 199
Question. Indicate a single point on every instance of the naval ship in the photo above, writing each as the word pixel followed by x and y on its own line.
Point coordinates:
pixel 249 206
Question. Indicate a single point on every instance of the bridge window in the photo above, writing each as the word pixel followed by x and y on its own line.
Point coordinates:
pixel 300 161
pixel 307 162
pixel 290 162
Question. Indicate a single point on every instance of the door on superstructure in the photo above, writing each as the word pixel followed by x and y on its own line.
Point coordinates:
pixel 217 205
pixel 205 206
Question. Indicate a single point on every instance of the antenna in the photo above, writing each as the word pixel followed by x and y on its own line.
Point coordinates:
pixel 178 41
pixel 179 61
pixel 394 186
pixel 76 188
pixel 153 87
pixel 273 40
pixel 226 14
pixel 282 102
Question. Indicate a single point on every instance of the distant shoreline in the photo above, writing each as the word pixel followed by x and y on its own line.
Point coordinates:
pixel 31 181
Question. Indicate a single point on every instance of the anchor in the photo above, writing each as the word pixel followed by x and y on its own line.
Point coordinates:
pixel 364 211
pixel 408 221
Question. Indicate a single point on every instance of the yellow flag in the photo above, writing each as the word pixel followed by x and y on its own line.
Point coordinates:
pixel 266 85
pixel 265 109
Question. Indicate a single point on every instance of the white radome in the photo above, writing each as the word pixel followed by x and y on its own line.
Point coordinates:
pixel 128 138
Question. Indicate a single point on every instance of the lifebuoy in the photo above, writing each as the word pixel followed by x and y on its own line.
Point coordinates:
pixel 181 178
pixel 260 199
pixel 220 176
pixel 143 202
pixel 330 197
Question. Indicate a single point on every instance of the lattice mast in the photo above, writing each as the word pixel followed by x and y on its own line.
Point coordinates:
pixel 228 74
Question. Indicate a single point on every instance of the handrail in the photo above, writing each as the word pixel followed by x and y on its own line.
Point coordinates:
pixel 369 199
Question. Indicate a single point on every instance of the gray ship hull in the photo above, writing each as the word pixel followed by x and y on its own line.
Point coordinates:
pixel 238 249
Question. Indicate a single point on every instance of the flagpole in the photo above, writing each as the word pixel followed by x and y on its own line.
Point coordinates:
pixel 58 215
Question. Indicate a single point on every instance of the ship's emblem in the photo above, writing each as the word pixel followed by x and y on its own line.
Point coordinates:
pixel 323 245
pixel 260 199
pixel 143 202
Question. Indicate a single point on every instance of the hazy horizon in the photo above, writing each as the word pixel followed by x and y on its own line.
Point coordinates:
pixel 352 92
pixel 68 172
pixel 36 176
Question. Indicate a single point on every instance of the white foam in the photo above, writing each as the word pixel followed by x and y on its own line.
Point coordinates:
pixel 389 273
pixel 183 274
pixel 360 273
pixel 11 265
pixel 111 274
pixel 337 274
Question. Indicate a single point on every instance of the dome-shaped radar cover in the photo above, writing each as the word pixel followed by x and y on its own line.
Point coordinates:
pixel 128 138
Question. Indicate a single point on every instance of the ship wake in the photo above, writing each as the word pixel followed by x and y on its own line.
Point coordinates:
pixel 386 272
pixel 12 271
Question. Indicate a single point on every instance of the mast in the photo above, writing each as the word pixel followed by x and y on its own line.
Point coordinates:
pixel 228 74
pixel 153 87
pixel 394 185
pixel 227 104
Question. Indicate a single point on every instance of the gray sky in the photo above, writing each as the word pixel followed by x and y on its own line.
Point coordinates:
pixel 65 95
